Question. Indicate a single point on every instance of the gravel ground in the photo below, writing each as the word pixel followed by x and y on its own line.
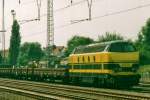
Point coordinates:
pixel 11 96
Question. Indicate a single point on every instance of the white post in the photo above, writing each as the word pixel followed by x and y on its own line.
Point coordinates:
pixel 3 29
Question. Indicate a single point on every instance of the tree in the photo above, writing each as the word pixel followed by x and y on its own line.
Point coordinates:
pixel 23 55
pixel 35 52
pixel 143 43
pixel 14 43
pixel 76 41
pixel 145 33
pixel 1 58
pixel 109 37
pixel 30 52
pixel 23 59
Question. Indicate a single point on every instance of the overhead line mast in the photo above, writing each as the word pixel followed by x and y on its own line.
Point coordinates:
pixel 50 25
pixel 50 32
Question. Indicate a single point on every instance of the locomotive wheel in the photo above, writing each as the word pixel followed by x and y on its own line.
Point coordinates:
pixel 96 82
pixel 76 80
pixel 112 83
pixel 65 80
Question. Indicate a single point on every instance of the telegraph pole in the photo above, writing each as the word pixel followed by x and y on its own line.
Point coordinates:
pixel 50 30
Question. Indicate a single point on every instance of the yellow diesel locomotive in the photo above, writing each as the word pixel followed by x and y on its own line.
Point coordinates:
pixel 113 63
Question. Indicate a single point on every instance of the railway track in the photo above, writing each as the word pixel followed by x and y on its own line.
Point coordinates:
pixel 53 91
pixel 142 88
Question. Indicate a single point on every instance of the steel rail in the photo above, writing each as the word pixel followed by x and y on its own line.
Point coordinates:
pixel 73 92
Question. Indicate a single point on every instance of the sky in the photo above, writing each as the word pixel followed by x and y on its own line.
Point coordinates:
pixel 126 17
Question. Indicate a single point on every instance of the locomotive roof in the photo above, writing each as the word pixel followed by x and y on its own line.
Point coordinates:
pixel 103 43
pixel 95 46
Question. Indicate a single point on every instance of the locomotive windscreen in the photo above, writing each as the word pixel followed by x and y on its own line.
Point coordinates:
pixel 122 47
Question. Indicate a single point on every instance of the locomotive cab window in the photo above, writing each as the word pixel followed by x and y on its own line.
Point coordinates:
pixel 90 49
pixel 122 47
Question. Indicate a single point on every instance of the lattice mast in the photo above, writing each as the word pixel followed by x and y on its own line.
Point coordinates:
pixel 50 24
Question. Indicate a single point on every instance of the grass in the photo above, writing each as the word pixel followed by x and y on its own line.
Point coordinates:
pixel 144 68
